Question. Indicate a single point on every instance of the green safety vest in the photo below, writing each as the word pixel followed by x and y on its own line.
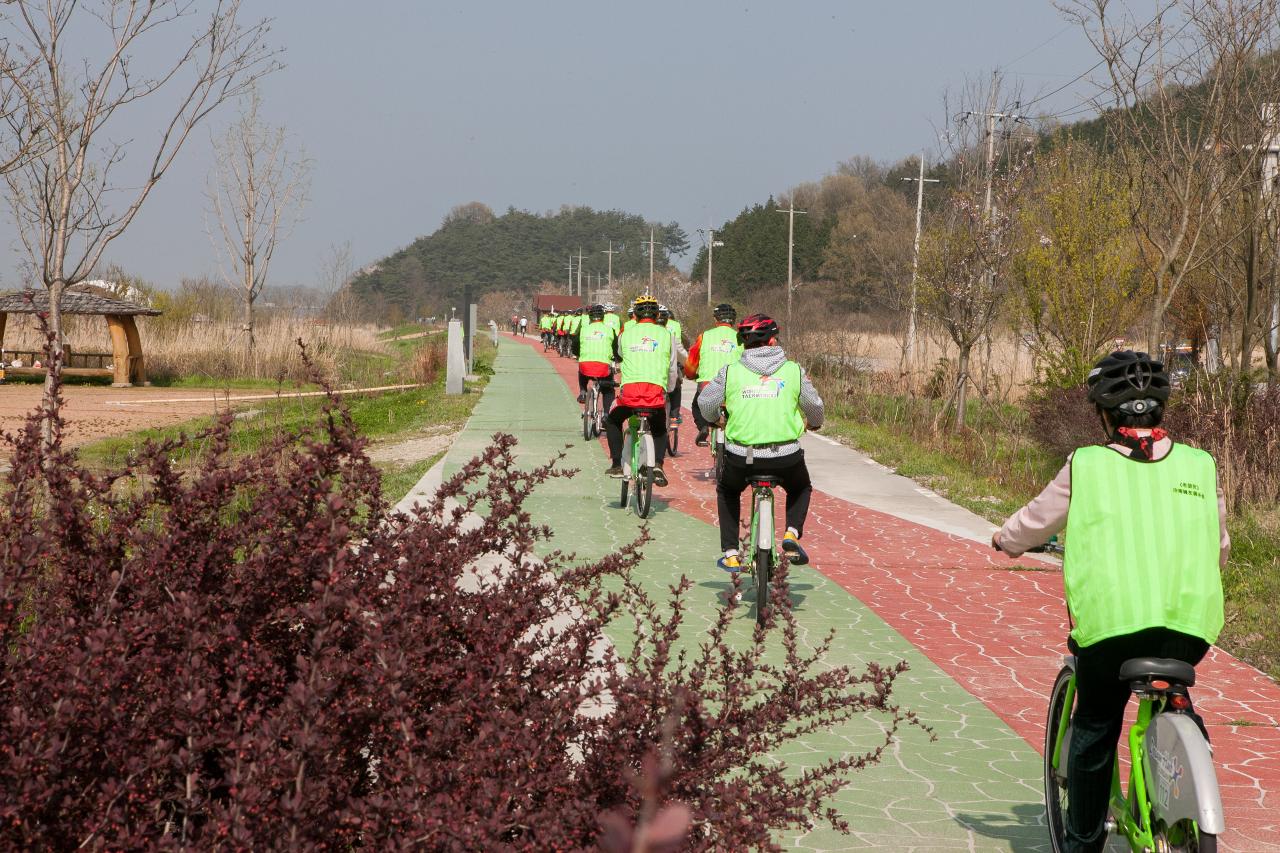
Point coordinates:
pixel 544 322
pixel 1143 541
pixel 646 354
pixel 595 342
pixel 763 409
pixel 614 321
pixel 719 347
pixel 675 328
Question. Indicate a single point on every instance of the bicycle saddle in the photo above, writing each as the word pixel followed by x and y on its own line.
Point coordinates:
pixel 763 479
pixel 1138 669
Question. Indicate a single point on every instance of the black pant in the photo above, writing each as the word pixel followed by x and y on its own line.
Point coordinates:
pixel 697 411
pixel 1099 718
pixel 790 471
pixel 673 400
pixel 613 432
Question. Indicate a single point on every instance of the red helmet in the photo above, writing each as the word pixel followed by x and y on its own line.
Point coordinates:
pixel 757 330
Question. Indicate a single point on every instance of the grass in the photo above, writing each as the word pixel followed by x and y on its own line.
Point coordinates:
pixel 403 329
pixel 399 478
pixel 379 417
pixel 994 467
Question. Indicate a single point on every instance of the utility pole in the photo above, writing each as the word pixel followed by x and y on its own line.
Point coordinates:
pixel 652 245
pixel 610 252
pixel 579 270
pixel 910 350
pixel 791 245
pixel 570 268
pixel 712 242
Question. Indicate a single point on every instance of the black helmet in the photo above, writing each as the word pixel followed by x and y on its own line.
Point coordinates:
pixel 724 313
pixel 1129 382
pixel 756 330
pixel 596 313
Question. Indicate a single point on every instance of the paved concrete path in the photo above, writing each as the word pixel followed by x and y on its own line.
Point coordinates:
pixel 901 574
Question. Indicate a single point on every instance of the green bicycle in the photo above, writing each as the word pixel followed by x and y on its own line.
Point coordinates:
pixel 758 543
pixel 1172 803
pixel 637 464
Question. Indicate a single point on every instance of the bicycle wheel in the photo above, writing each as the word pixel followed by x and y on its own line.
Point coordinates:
pixel 586 421
pixel 1183 837
pixel 717 452
pixel 1055 782
pixel 764 577
pixel 644 477
pixel 673 439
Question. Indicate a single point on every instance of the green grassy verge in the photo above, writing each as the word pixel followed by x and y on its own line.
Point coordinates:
pixel 383 417
pixel 994 468
pixel 403 329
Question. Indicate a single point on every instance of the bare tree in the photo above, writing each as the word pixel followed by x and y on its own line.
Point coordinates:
pixel 73 196
pixel 1174 86
pixel 257 190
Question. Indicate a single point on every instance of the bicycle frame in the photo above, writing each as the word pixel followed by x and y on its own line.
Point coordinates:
pixel 638 458
pixel 759 547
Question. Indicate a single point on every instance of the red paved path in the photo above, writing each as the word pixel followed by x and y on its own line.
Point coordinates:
pixel 1001 633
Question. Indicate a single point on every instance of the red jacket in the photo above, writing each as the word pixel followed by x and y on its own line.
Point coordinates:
pixel 641 395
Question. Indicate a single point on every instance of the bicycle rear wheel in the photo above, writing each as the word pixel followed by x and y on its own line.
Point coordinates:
pixel 644 491
pixel 1055 783
pixel 1183 837
pixel 586 421
pixel 673 439
pixel 764 578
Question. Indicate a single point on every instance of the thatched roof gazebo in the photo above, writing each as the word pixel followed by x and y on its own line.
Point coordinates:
pixel 124 364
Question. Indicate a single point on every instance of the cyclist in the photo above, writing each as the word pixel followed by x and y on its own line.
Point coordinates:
pixel 579 320
pixel 524 326
pixel 677 340
pixel 612 318
pixel 595 355
pixel 713 349
pixel 545 323
pixel 1147 540
pixel 648 370
pixel 769 401
pixel 561 331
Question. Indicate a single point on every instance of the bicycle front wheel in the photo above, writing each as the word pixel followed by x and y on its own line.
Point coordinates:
pixel 673 439
pixel 1055 780
pixel 586 421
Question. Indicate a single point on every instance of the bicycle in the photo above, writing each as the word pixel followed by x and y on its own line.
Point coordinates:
pixel 673 432
pixel 637 464
pixel 592 411
pixel 1172 802
pixel 716 442
pixel 546 341
pixel 758 541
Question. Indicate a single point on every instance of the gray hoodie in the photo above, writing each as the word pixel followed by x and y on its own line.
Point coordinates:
pixel 763 361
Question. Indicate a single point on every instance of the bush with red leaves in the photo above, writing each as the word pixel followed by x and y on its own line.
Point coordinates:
pixel 250 655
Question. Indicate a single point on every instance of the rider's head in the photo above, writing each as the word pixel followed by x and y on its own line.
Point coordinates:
pixel 645 307
pixel 1129 390
pixel 757 330
pixel 664 314
pixel 596 313
pixel 724 313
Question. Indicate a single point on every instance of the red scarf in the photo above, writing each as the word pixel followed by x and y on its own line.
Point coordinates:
pixel 1138 443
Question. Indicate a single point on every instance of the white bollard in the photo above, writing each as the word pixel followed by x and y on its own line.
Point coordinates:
pixel 456 363
pixel 493 328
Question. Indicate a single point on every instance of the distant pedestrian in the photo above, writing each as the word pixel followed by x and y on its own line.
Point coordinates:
pixel 524 326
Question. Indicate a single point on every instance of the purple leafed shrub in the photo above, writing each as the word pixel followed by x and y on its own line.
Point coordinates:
pixel 245 654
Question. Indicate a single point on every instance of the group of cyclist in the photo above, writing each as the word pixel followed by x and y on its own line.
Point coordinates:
pixel 744 381
pixel 1144 515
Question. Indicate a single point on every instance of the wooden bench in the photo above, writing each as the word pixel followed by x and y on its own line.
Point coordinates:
pixel 84 364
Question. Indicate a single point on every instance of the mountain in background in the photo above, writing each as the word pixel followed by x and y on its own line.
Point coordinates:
pixel 476 249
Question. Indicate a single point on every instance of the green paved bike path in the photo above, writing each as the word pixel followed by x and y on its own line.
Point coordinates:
pixel 976 788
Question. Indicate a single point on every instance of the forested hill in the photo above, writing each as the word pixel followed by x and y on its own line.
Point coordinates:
pixel 517 249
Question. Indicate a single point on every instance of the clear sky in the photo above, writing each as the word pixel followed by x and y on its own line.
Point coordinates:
pixel 681 111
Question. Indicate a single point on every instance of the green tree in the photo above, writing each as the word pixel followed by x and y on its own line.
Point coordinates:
pixel 1077 276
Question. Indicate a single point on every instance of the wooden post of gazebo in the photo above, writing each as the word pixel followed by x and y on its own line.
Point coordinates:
pixel 124 364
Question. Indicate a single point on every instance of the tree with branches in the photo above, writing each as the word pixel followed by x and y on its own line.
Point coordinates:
pixel 256 193
pixel 75 194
